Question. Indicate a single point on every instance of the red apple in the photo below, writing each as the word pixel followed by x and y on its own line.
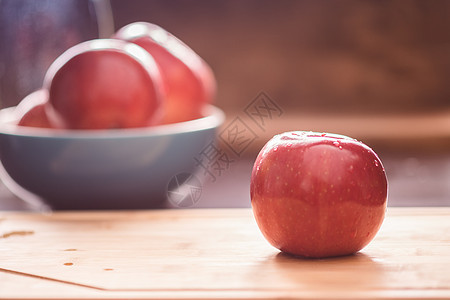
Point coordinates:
pixel 188 80
pixel 102 84
pixel 31 111
pixel 318 195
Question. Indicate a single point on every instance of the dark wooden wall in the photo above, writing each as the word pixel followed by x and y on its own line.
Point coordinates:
pixel 309 56
pixel 330 56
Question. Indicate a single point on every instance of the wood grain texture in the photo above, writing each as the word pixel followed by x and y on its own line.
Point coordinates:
pixel 217 253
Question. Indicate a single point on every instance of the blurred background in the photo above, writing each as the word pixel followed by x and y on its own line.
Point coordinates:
pixel 378 71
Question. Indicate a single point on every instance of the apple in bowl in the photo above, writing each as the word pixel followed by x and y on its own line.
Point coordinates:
pixel 318 194
pixel 104 84
pixel 31 111
pixel 188 81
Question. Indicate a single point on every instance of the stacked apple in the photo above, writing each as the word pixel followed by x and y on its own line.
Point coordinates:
pixel 142 76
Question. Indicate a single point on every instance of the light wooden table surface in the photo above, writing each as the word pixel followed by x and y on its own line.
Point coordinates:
pixel 212 254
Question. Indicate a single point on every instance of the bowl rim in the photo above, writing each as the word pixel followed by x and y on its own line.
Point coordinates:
pixel 213 118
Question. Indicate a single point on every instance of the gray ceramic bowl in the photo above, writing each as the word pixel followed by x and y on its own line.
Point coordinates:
pixel 116 169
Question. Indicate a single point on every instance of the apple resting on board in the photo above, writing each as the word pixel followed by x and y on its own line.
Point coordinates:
pixel 318 194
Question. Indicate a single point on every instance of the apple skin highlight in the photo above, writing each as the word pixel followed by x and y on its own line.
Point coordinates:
pixel 318 194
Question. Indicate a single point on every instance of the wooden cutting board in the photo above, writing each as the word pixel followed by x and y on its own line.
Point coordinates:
pixel 220 253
